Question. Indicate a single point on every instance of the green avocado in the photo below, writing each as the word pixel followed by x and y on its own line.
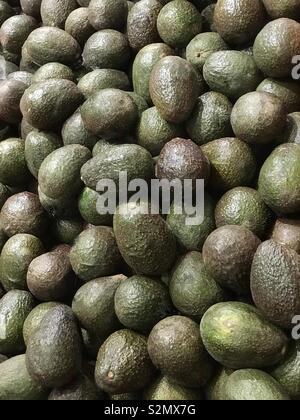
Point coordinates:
pixel 275 278
pixel 164 389
pixel 81 389
pixel 11 92
pixel 15 306
pixel 13 168
pixel 59 174
pixel 78 25
pixel 287 232
pixel 103 79
pixel 95 253
pixel 174 95
pixel 141 302
pixel 108 14
pixel 176 349
pixel 192 289
pixel 55 12
pixel 123 364
pixel 16 384
pixel 286 90
pixel 53 71
pixel 48 104
pixel 253 385
pixel 238 336
pixel 17 254
pixel 144 240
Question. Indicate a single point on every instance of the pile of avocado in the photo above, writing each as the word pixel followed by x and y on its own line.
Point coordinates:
pixel 131 306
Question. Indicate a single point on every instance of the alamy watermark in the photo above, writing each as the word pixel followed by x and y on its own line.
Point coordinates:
pixel 156 197
pixel 296 329
pixel 296 68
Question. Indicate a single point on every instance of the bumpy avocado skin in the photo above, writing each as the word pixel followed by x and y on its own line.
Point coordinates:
pixel 15 306
pixel 81 389
pixel 253 385
pixel 123 364
pixel 192 289
pixel 137 233
pixel 164 389
pixel 176 349
pixel 275 277
pixel 282 194
pixel 174 95
pixel 238 336
pixel 58 363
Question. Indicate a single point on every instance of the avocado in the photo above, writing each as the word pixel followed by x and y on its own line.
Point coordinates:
pixel 154 132
pixel 275 46
pixel 176 349
pixel 228 254
pixel 174 101
pixel 16 383
pixel 133 159
pixel 110 113
pixel 26 63
pixel 38 145
pixel 284 8
pixel 141 302
pixel 238 336
pixel 287 373
pixel 49 44
pixel 59 174
pixel 108 14
pixel 275 278
pixel 54 351
pixel 144 240
pixel 286 90
pixel 178 23
pixel 23 213
pixel 244 206
pixel 164 389
pixel 192 289
pixel 21 76
pixel 14 32
pixel 210 119
pixel 17 254
pixel 216 387
pixel 143 64
pixel 233 73
pixel 63 206
pixel 106 49
pixel 15 306
pixel 233 163
pixel 6 11
pixel 78 26
pixel 75 132
pixel 55 12
pixel 287 232
pixel 93 305
pixel 13 169
pixel 191 237
pixel 31 7
pixel 87 205
pixel 3 239
pixel 182 159
pixel 123 364
pixel 239 22
pixel 142 23
pixel 50 277
pixel 4 194
pixel 66 230
pixel 11 92
pixel 140 103
pixel 103 79
pixel 291 133
pixel 253 385
pixel 258 117
pixel 48 104
pixel 35 318
pixel 81 389
pixel 278 179
pixel 208 18
pixel 95 253
pixel 53 71
pixel 202 46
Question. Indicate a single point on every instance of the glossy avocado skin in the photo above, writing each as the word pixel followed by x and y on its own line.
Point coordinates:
pixel 232 331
